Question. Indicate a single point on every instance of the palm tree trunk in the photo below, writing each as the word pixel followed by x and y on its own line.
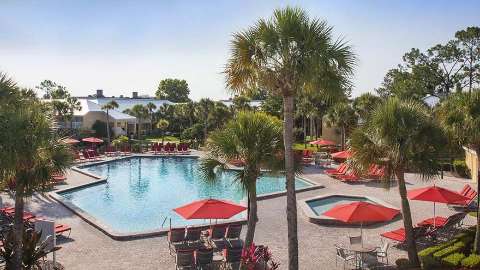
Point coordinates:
pixel 343 137
pixel 290 183
pixel 18 229
pixel 108 128
pixel 252 216
pixel 476 243
pixel 304 123
pixel 407 219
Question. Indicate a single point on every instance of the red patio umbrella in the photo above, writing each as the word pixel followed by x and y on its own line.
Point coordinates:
pixel 342 154
pixel 70 141
pixel 436 194
pixel 92 140
pixel 209 209
pixel 323 142
pixel 361 212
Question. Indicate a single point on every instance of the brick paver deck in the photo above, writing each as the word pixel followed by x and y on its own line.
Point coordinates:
pixel 88 248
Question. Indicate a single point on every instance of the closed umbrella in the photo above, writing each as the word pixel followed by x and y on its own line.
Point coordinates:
pixel 70 141
pixel 342 155
pixel 436 194
pixel 361 212
pixel 92 140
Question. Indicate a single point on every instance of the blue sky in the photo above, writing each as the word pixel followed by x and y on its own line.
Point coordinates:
pixel 125 46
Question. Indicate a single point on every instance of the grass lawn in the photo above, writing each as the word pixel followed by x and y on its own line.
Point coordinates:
pixel 159 139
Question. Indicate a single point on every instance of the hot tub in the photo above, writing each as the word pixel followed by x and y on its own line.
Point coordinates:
pixel 314 207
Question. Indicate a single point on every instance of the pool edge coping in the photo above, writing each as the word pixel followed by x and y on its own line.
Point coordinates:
pixel 119 236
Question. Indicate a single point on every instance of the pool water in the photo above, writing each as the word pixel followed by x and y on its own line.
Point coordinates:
pixel 320 206
pixel 140 193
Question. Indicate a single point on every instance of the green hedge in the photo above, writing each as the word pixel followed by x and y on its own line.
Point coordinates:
pixel 457 247
pixel 454 259
pixel 472 261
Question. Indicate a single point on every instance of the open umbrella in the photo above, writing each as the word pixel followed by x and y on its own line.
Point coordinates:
pixel 92 140
pixel 361 212
pixel 70 141
pixel 209 209
pixel 436 194
pixel 342 155
pixel 323 142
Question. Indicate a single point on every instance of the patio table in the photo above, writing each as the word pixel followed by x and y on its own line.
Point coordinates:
pixel 361 250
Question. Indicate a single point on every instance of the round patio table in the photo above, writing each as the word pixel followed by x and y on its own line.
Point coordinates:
pixel 361 249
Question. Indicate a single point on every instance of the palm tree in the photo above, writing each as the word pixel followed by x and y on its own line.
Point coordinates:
pixel 400 135
pixel 141 113
pixel 109 106
pixel 284 55
pixel 205 106
pixel 255 138
pixel 459 114
pixel 365 104
pixel 343 116
pixel 35 152
pixel 151 108
pixel 162 124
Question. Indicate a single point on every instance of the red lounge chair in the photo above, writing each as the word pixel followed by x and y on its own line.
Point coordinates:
pixel 438 221
pixel 342 169
pixel 61 228
pixel 26 215
pixel 110 151
pixel 471 194
pixel 78 157
pixel 349 177
pixel 127 150
pixel 58 178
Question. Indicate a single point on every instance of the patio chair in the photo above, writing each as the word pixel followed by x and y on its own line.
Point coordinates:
pixel 344 256
pixel 382 252
pixel 355 240
pixel 204 258
pixel 185 259
pixel 347 177
pixel 217 235
pixel 176 239
pixel 452 220
pixel 232 257
pixel 232 235
pixel 192 236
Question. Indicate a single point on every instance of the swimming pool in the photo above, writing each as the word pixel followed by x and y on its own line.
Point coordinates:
pixel 320 206
pixel 140 192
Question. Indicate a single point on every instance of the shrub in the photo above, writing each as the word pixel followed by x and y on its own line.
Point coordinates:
pixel 120 141
pixel 100 129
pixel 403 263
pixel 453 259
pixel 471 262
pixel 429 251
pixel 460 167
pixel 457 247
pixel 429 262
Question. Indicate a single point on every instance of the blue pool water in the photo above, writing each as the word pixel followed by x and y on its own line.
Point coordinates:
pixel 141 192
pixel 319 206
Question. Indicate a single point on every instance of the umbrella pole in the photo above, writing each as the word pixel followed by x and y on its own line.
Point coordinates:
pixel 434 219
pixel 361 233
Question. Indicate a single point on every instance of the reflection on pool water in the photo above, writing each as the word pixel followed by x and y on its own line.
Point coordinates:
pixel 321 205
pixel 140 193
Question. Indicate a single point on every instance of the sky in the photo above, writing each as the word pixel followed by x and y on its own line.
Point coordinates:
pixel 124 46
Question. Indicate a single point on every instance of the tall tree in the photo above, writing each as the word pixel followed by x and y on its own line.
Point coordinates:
pixel 255 138
pixel 287 54
pixel 365 104
pixel 35 152
pixel 141 113
pixel 174 90
pixel 204 109
pixel 469 43
pixel 151 109
pixel 162 124
pixel 342 116
pixel 400 135
pixel 107 107
pixel 241 103
pixel 459 114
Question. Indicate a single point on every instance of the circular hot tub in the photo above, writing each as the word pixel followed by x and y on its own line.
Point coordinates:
pixel 314 207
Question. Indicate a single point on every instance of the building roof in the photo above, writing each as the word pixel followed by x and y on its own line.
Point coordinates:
pixel 128 103
pixel 92 106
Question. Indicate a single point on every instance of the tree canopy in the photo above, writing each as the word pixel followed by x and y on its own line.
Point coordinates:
pixel 174 90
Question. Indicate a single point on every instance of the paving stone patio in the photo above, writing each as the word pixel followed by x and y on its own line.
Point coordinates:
pixel 89 248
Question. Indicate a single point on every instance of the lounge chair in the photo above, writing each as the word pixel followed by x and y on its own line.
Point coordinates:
pixel 342 169
pixel 204 258
pixel 399 235
pixel 185 259
pixel 176 239
pixel 307 157
pixel 454 220
pixel 26 215
pixel 345 256
pixel 376 171
pixel 110 151
pixel 232 257
pixel 58 178
pixel 347 177
pixel 232 235
pixel 60 229
pixel 469 204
